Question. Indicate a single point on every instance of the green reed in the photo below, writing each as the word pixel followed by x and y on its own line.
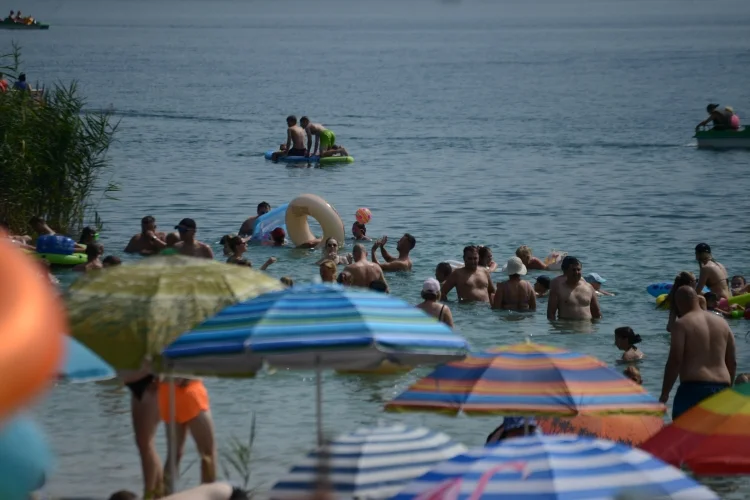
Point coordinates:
pixel 53 155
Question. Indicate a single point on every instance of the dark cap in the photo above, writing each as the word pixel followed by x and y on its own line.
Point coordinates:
pixel 544 280
pixel 702 248
pixel 711 107
pixel 186 224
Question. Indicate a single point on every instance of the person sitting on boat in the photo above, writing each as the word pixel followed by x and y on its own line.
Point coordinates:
pixel 9 19
pixel 21 84
pixel 334 151
pixel 720 116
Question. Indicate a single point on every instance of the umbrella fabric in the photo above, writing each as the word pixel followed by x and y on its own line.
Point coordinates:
pixel 369 462
pixel 554 467
pixel 626 429
pixel 712 438
pixel 82 365
pixel 317 326
pixel 25 458
pixel 127 312
pixel 527 379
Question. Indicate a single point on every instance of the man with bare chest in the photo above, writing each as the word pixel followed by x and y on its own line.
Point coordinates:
pixel 363 272
pixel 570 296
pixel 472 283
pixel 295 140
pixel 189 245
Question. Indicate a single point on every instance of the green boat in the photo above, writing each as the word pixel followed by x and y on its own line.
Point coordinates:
pixel 10 25
pixel 723 139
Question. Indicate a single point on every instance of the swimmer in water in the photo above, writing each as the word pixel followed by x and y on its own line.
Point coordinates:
pixel 39 225
pixel 359 231
pixel 472 283
pixel 295 140
pixel 596 281
pixel 111 261
pixel 247 227
pixel 625 340
pixel 541 286
pixel 188 245
pixel 328 271
pixel 524 253
pixel 94 253
pixel 442 271
pixel 712 274
pixel 344 278
pixel 515 294
pixel 401 263
pixel 739 285
pixel 278 238
pixel 238 247
pixel 148 241
pixel 324 138
pixel 485 259
pixel 431 305
pixel 363 272
pixel 570 296
pixel 330 252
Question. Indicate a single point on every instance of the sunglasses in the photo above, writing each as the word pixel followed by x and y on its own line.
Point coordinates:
pixel 332 245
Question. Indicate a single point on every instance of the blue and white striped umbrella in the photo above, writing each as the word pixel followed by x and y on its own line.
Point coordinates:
pixel 554 468
pixel 373 462
pixel 325 326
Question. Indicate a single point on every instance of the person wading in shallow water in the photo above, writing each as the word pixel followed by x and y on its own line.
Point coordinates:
pixel 472 283
pixel 188 245
pixel 570 296
pixel 701 353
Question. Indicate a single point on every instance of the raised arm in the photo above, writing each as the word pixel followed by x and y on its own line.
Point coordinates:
pixel 674 360
pixel 552 303
pixel 387 256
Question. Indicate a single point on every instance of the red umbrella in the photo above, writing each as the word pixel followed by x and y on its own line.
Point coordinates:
pixel 628 429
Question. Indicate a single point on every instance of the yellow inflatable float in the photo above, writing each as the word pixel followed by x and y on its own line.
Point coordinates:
pixel 310 205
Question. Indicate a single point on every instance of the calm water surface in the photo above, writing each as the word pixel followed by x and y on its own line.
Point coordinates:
pixel 554 124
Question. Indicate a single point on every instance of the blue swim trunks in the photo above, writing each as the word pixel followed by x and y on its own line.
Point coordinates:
pixel 690 394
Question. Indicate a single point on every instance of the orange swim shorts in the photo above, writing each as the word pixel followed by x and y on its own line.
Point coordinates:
pixel 190 399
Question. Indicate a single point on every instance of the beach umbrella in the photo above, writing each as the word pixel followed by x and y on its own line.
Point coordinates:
pixel 631 430
pixel 374 462
pixel 129 312
pixel 554 468
pixel 527 379
pixel 82 365
pixel 712 438
pixel 25 458
pixel 315 327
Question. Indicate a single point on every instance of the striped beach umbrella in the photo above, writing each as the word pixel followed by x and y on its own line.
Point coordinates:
pixel 554 468
pixel 374 462
pixel 527 379
pixel 712 438
pixel 316 327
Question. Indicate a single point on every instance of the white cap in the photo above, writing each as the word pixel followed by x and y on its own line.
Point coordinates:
pixel 431 285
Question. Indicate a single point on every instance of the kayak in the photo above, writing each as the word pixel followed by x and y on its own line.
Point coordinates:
pixel 5 25
pixel 313 159
pixel 724 139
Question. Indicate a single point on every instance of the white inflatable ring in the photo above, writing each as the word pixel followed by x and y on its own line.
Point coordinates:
pixel 310 205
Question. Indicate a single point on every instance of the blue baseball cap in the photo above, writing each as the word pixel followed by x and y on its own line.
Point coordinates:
pixel 594 278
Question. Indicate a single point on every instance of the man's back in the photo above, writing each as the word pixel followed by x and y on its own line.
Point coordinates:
pixel 297 134
pixel 364 272
pixel 707 340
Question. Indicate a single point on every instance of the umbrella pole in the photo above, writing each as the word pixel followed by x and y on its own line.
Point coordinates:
pixel 319 400
pixel 172 431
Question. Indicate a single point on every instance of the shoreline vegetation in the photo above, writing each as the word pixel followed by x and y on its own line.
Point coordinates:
pixel 53 155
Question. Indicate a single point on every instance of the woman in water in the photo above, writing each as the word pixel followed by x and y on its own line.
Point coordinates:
pixel 88 236
pixel 430 304
pixel 712 274
pixel 524 253
pixel 625 340
pixel 515 294
pixel 328 271
pixel 682 279
pixel 238 246
pixel 330 252
pixel 634 374
pixel 739 285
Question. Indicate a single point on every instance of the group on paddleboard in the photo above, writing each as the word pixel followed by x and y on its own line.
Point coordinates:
pixel 299 142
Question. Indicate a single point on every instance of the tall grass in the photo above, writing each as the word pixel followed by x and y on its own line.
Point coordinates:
pixel 53 156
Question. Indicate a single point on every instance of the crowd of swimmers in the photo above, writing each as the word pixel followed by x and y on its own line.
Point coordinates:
pixel 702 348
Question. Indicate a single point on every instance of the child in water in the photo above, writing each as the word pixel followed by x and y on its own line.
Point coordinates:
pixel 541 287
pixel 720 307
pixel 625 340
pixel 596 282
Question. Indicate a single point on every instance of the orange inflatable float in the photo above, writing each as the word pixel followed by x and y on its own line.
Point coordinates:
pixel 32 325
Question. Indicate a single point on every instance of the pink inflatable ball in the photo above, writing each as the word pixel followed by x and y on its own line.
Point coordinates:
pixel 363 215
pixel 734 122
pixel 723 304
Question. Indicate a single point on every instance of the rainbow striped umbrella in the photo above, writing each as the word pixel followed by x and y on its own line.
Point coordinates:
pixel 527 379
pixel 712 438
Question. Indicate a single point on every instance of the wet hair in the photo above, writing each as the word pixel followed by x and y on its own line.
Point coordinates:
pixel 544 281
pixel 86 233
pixel 634 374
pixel 287 280
pixel 94 250
pixel 523 251
pixel 304 119
pixel 149 219
pixel 291 119
pixel 412 241
pixel 568 261
pixel 710 296
pixel 171 239
pixel 123 495
pixel 379 286
pixel 234 242
pixel 744 281
pixel 111 260
pixel 263 204
pixel 628 333
pixel 471 249
pixel 445 268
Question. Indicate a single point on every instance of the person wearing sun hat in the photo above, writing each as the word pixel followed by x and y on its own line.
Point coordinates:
pixel 515 294
pixel 430 304
pixel 596 282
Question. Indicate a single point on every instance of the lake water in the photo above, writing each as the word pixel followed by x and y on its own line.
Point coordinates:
pixel 560 125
